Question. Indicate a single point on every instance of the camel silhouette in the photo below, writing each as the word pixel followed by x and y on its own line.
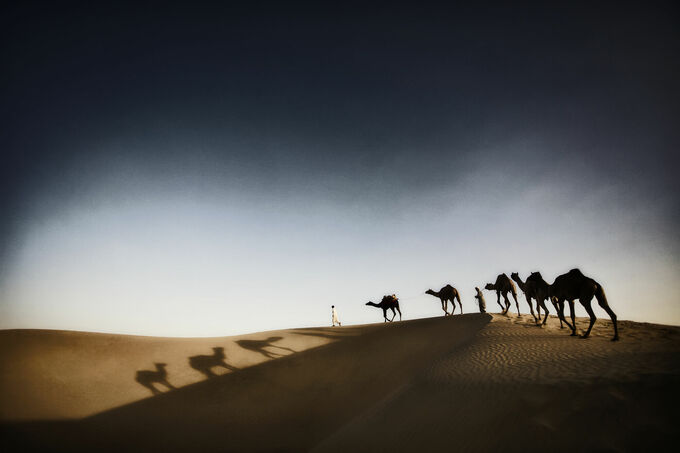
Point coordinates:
pixel 542 290
pixel 531 292
pixel 504 286
pixel 574 285
pixel 205 363
pixel 446 294
pixel 148 377
pixel 260 345
pixel 388 303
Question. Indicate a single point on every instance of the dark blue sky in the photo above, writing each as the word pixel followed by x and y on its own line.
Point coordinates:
pixel 368 109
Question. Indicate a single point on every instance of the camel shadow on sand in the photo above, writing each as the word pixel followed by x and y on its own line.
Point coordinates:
pixel 156 379
pixel 206 363
pixel 149 378
pixel 153 379
pixel 260 346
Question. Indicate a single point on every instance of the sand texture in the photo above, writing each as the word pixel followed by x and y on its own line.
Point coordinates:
pixel 464 383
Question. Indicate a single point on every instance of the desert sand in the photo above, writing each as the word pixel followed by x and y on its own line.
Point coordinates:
pixel 474 382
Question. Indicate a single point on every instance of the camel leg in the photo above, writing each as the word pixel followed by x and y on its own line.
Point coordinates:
pixel 612 316
pixel 459 303
pixel 517 304
pixel 385 314
pixel 507 303
pixel 531 309
pixel 445 307
pixel 602 301
pixel 538 310
pixel 573 318
pixel 591 313
pixel 394 314
pixel 397 307
pixel 557 309
pixel 560 313
pixel 498 299
pixel 545 310
pixel 453 306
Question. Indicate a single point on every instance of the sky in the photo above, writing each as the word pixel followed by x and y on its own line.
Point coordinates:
pixel 202 169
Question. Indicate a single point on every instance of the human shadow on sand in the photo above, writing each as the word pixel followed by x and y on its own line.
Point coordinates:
pixel 205 363
pixel 334 336
pixel 260 345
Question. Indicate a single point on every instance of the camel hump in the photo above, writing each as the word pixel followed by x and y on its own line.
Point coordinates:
pixel 575 271
pixel 535 277
pixel 502 280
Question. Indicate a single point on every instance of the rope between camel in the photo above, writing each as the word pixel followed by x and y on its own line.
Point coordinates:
pixel 411 297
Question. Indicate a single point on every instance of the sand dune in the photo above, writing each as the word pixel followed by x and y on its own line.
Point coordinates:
pixel 465 383
pixel 63 374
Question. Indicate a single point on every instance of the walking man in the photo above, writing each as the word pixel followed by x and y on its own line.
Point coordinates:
pixel 334 313
pixel 480 301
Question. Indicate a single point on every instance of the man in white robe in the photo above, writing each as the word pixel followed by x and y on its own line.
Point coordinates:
pixel 334 314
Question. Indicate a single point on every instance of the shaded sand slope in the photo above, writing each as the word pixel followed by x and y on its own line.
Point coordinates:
pixel 291 403
pixel 441 384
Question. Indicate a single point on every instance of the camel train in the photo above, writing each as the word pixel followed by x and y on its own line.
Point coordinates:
pixel 566 288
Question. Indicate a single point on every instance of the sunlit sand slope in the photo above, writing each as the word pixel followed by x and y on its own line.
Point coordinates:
pixel 50 374
pixel 465 383
pixel 522 388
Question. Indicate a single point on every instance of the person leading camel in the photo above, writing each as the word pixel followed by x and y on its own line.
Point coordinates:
pixel 334 316
pixel 480 300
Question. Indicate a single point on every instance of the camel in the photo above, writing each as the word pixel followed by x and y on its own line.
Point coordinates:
pixel 542 289
pixel 574 285
pixel 388 303
pixel 531 292
pixel 446 294
pixel 504 286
